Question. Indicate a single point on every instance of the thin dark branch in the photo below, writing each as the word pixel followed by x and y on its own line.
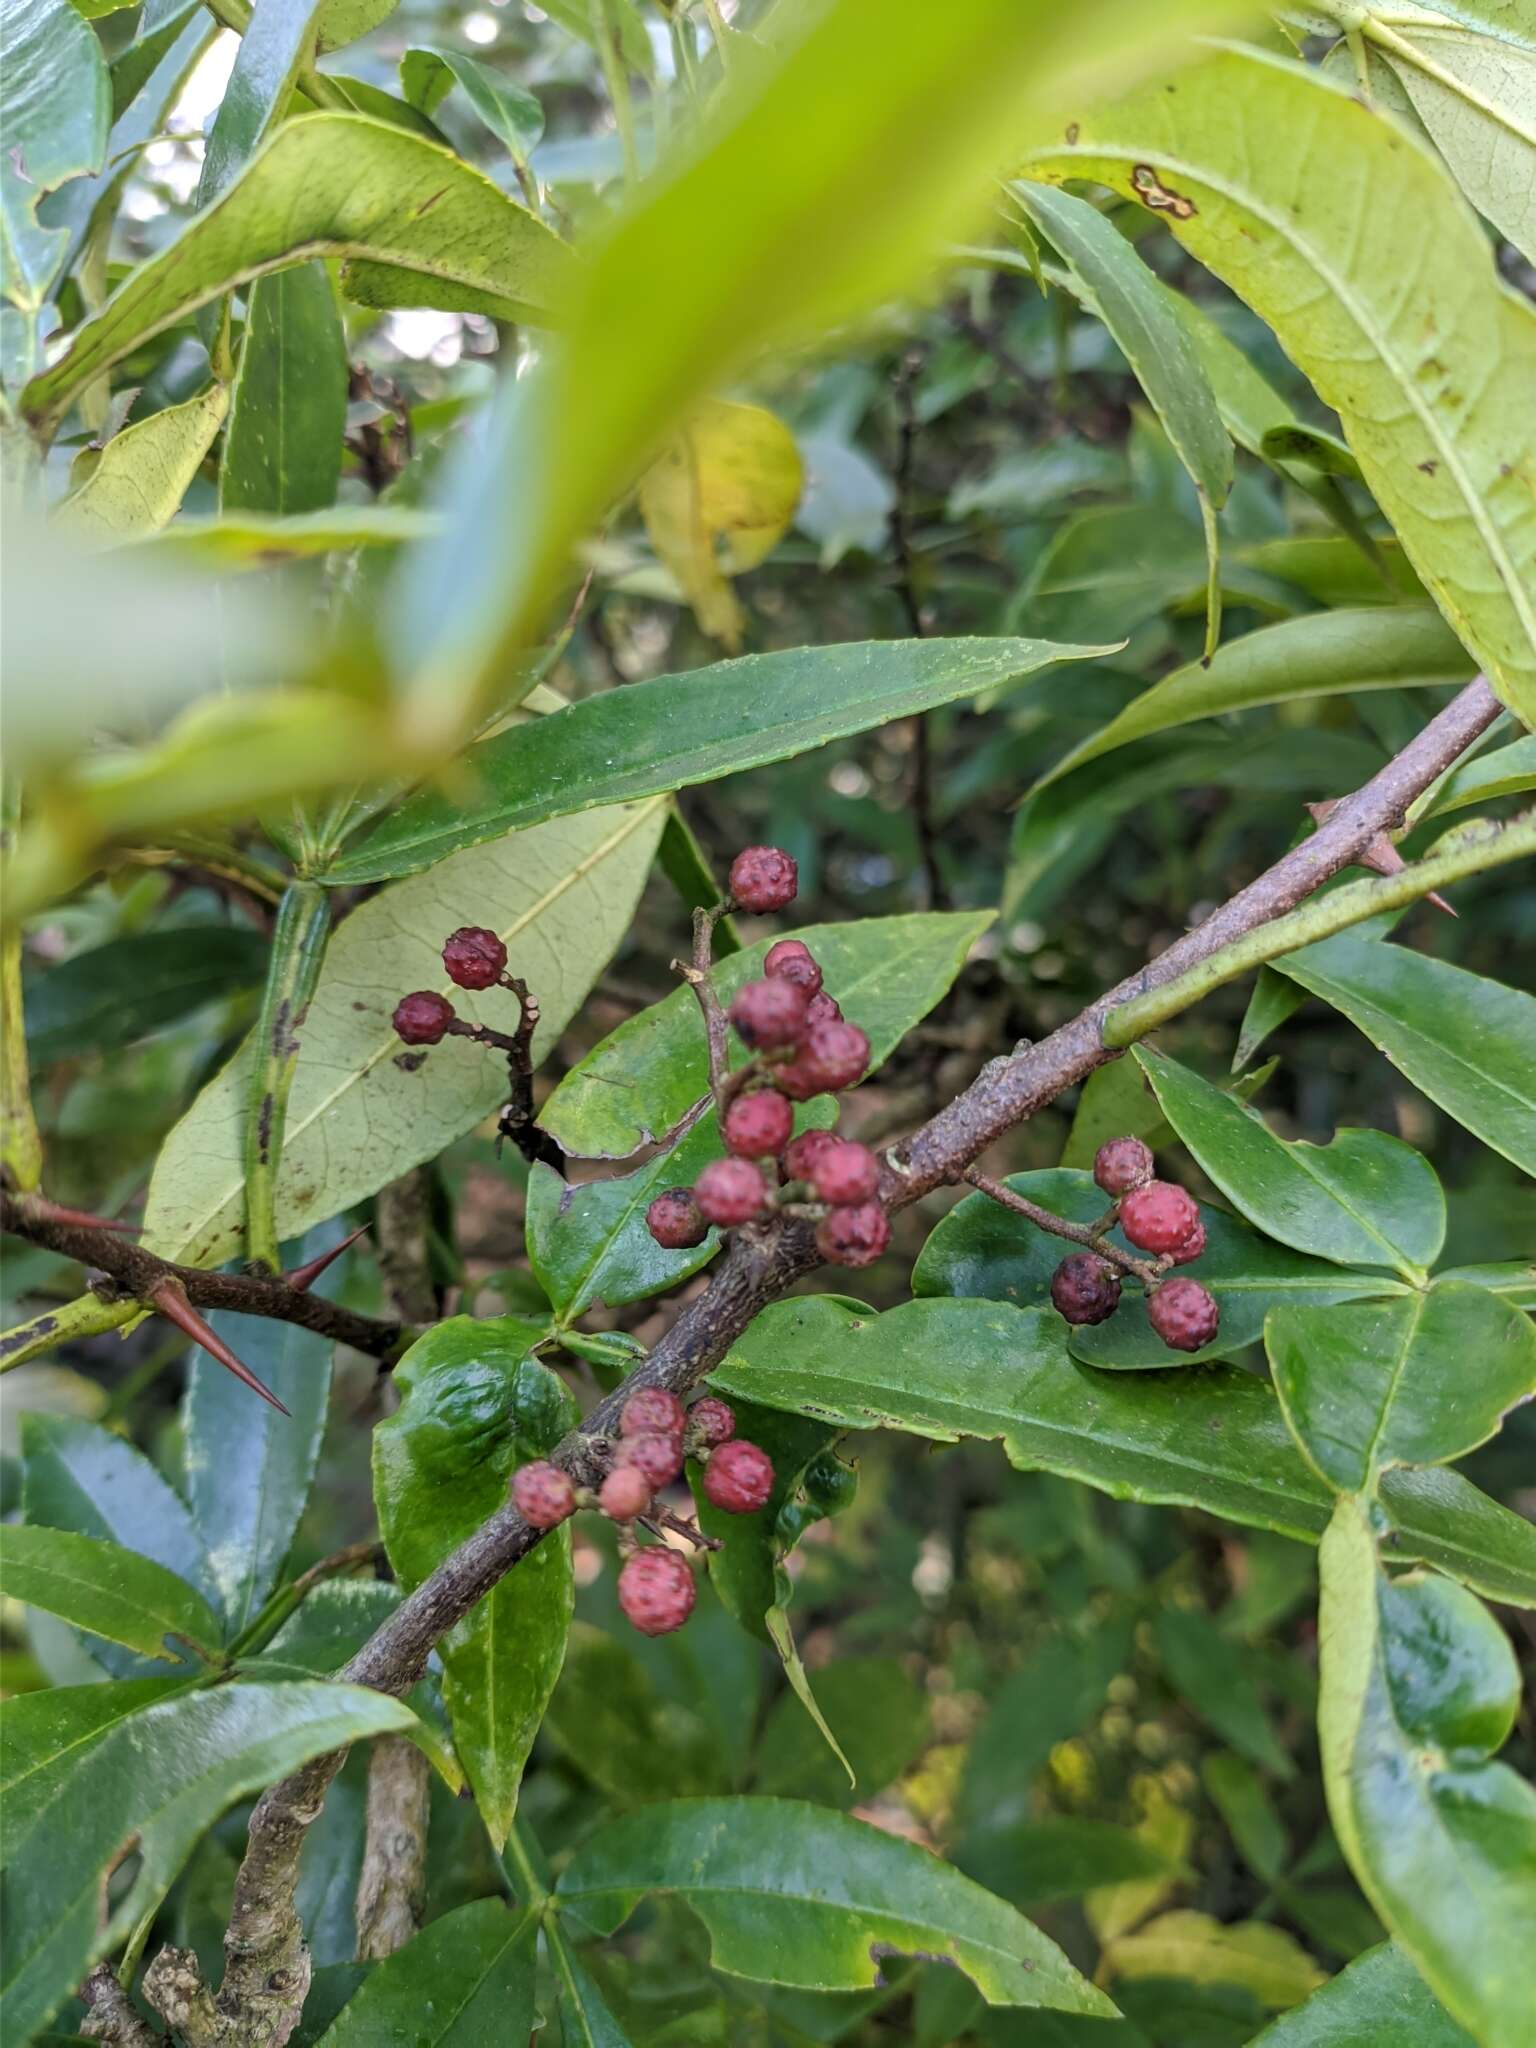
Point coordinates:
pixel 696 973
pixel 1148 1271
pixel 140 1273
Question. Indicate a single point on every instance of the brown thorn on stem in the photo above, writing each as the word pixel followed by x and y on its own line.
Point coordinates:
pixel 47 1211
pixel 302 1278
pixel 659 1519
pixel 1091 1235
pixel 1380 856
pixel 170 1301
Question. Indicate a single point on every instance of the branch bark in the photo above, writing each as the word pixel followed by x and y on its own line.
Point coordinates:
pixel 392 1887
pixel 761 1262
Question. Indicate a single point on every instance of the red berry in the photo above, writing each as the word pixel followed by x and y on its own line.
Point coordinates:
pixel 822 1010
pixel 656 1591
pixel 1159 1216
pixel 855 1236
pixel 625 1493
pixel 757 1126
pixel 763 878
pixel 422 1019
pixel 802 1153
pixel 738 1477
pixel 832 1056
pixel 650 1411
pixel 1121 1164
pixel 543 1494
pixel 676 1221
pixel 1191 1248
pixel 711 1421
pixel 659 1456
pixel 793 960
pixel 1084 1289
pixel 769 1014
pixel 846 1173
pixel 731 1191
pixel 1183 1314
pixel 474 957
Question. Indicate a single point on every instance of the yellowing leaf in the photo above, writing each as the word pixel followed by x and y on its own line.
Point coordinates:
pixel 1264 1960
pixel 1165 1827
pixel 718 501
pixel 142 474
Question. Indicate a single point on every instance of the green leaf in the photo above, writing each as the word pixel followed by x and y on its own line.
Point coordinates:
pixel 1274 1002
pixel 474 1405
pixel 142 474
pixel 103 999
pixel 512 114
pixel 157 1778
pixel 247 1475
pixel 1380 1998
pixel 685 729
pixel 1213 1439
pixel 587 1240
pixel 791 1894
pixel 1467 1043
pixel 363 1109
pixel 886 972
pixel 110 1591
pixel 1037 1863
pixel 467 1981
pixel 1115 1101
pixel 1513 1280
pixel 54 110
pixel 80 1476
pixel 255 540
pixel 1387 1383
pixel 1241 1798
pixel 335 185
pixel 585 2019
pixel 1476 94
pixel 1426 380
pixel 279 37
pixel 1363 1198
pixel 1321 654
pixel 1133 306
pixel 1051 1697
pixel 1507 771
pixel 1419 1688
pixel 790 208
pixel 1198 1949
pixel 282 450
pixel 48 1734
pixel 1211 1675
pixel 613 1727
pixel 981 1249
pixel 345 21
pixel 327 1628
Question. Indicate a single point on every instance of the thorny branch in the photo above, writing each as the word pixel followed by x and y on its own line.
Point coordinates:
pixel 267 1964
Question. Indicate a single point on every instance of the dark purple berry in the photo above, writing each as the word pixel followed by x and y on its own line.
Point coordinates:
pixel 731 1191
pixel 1183 1315
pixel 763 878
pixel 1121 1164
pixel 832 1056
pixel 421 1019
pixel 1084 1289
pixel 1192 1247
pixel 543 1494
pixel 656 1591
pixel 769 1015
pixel 846 1173
pixel 802 1153
pixel 650 1411
pixel 676 1221
pixel 474 957
pixel 1159 1216
pixel 757 1126
pixel 855 1236
pixel 793 960
pixel 738 1477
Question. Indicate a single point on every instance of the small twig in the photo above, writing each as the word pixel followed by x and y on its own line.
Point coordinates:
pixel 1091 1235
pixel 392 1885
pixel 696 974
pixel 660 1519
pixel 517 1117
pixel 110 2014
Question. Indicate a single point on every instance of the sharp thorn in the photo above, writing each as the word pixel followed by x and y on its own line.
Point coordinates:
pixel 56 1212
pixel 302 1278
pixel 170 1300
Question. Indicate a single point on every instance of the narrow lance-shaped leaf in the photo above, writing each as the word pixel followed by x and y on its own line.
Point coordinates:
pixel 680 730
pixel 1407 332
pixel 467 1979
pixel 1379 1991
pixel 1416 1381
pixel 103 1588
pixel 282 449
pixel 414 224
pixel 299 938
pixel 792 1894
pixel 278 38
pixel 1468 1043
pixel 1419 1688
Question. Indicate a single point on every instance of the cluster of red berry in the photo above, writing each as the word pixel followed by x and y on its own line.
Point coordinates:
pixel 802 1046
pixel 474 958
pixel 656 1433
pixel 1157 1217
